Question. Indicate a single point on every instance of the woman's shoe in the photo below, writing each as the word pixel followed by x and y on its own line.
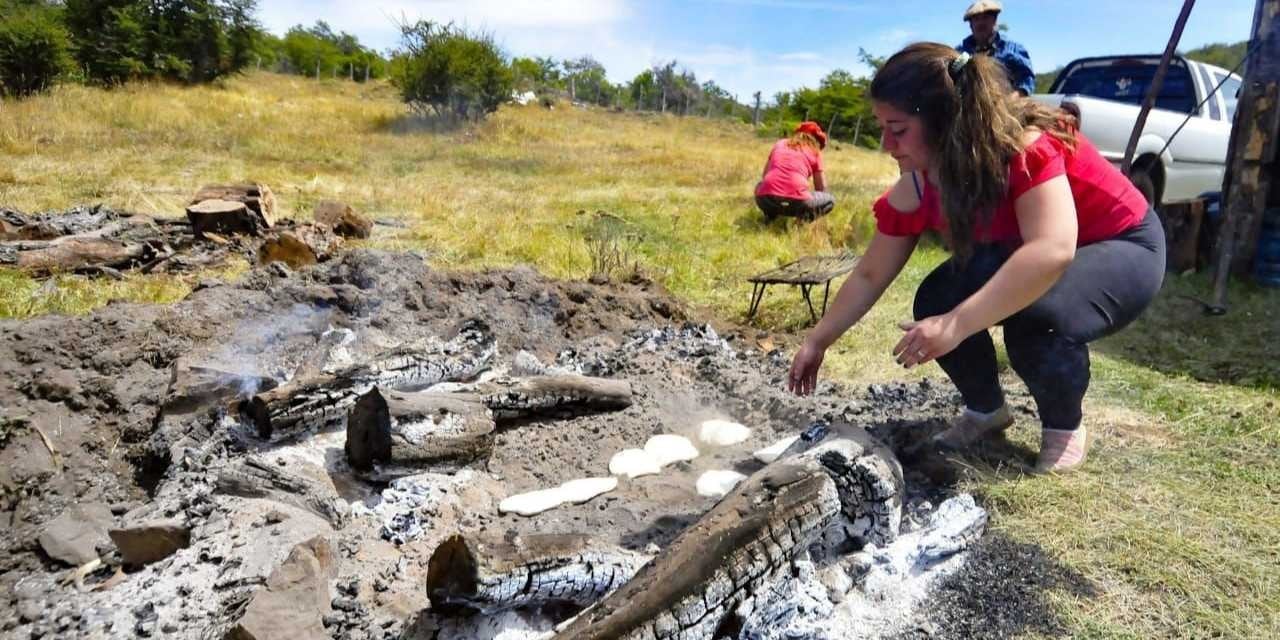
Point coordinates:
pixel 970 427
pixel 1061 450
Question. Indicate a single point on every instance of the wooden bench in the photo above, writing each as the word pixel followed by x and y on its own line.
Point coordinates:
pixel 806 273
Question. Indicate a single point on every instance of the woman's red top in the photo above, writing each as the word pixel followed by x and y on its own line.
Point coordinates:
pixel 1106 202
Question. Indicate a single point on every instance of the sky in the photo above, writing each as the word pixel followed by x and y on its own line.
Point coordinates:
pixel 772 45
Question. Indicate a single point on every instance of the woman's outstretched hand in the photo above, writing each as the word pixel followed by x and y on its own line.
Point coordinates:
pixel 927 339
pixel 803 377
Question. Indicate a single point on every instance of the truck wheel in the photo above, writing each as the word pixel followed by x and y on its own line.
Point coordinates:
pixel 1141 178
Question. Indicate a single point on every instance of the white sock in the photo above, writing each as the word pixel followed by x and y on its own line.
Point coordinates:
pixel 983 417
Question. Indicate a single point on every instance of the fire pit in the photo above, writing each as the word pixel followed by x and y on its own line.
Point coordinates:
pixel 336 450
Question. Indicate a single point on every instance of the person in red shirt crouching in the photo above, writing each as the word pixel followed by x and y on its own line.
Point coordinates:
pixel 783 190
pixel 1049 240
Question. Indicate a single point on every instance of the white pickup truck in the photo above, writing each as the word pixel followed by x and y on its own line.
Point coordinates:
pixel 1106 94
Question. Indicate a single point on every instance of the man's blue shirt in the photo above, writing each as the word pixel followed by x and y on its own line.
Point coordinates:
pixel 1012 55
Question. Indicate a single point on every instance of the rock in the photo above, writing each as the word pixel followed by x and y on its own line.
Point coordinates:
pixel 344 220
pixel 295 599
pixel 150 541
pixel 74 536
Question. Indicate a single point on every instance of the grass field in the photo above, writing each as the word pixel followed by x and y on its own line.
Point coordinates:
pixel 1175 520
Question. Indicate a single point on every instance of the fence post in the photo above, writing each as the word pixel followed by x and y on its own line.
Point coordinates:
pixel 755 114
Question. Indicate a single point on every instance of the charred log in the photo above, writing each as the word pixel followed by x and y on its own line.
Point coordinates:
pixel 73 253
pixel 387 427
pixel 557 396
pixel 324 399
pixel 747 541
pixel 490 575
pixel 304 486
pixel 15 225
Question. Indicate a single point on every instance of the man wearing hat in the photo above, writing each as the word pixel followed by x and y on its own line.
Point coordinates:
pixel 783 189
pixel 986 39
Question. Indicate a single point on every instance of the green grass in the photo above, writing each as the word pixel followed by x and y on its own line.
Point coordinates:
pixel 1174 519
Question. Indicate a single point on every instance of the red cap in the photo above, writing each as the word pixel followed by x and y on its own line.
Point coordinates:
pixel 813 129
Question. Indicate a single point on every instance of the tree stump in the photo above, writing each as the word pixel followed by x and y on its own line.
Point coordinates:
pixel 257 198
pixel 223 217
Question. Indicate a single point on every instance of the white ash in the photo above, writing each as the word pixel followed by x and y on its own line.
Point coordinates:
pixel 690 340
pixel 895 581
pixel 339 355
pixel 406 507
pixel 417 431
pixel 508 625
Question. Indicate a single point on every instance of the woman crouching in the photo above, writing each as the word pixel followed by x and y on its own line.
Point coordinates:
pixel 783 189
pixel 1049 240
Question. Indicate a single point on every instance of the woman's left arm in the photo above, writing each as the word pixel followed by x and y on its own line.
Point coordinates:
pixel 819 181
pixel 1047 221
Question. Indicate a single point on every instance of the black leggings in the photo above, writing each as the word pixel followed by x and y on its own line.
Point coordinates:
pixel 1106 287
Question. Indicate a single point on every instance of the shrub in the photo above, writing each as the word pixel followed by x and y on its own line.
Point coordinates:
pixel 448 71
pixel 34 47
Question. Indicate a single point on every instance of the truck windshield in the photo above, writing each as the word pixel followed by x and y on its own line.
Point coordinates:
pixel 1127 81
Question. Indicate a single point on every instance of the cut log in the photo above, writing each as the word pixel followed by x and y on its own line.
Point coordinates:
pixel 302 246
pixel 72 253
pixel 747 541
pixel 557 396
pixel 302 485
pixel 324 399
pixel 342 219
pixel 256 197
pixel 388 427
pixel 490 575
pixel 223 217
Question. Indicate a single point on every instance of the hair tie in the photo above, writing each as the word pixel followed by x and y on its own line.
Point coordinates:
pixel 959 63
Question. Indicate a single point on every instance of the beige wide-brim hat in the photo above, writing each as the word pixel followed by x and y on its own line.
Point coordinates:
pixel 982 6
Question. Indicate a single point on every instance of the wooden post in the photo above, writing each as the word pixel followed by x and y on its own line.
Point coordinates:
pixel 317 69
pixel 755 115
pixel 351 71
pixel 366 72
pixel 831 126
pixel 1157 82
pixel 1251 158
pixel 857 131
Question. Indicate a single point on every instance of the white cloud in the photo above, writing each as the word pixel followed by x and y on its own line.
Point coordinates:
pixel 375 21
pixel 613 32
pixel 800 56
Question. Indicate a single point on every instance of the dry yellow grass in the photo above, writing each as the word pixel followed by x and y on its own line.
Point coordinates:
pixel 1174 519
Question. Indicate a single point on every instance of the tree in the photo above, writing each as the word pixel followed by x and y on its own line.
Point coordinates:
pixel 186 40
pixel 536 74
pixel 450 71
pixel 587 81
pixel 34 47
